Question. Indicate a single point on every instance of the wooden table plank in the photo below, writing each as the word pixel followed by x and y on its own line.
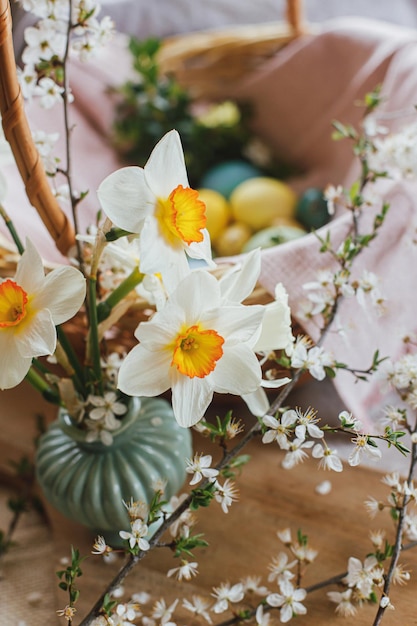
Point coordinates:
pixel 244 541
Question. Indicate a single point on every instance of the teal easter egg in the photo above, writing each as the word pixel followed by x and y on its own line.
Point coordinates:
pixel 224 177
pixel 311 210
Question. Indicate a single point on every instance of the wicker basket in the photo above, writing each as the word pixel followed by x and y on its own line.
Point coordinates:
pixel 207 61
pixel 18 134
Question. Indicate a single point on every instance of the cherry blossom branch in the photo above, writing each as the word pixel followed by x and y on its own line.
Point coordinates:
pixel 68 155
pixel 398 548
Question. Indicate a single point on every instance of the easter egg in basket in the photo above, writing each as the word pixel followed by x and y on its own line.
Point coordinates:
pixel 232 239
pixel 312 210
pixel 218 211
pixel 225 177
pixel 273 236
pixel 258 201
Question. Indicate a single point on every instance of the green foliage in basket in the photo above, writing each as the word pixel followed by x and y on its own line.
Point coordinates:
pixel 152 104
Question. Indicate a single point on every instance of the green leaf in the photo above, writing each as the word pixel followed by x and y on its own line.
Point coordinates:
pixel 202 497
pixel 185 545
pixel 373 98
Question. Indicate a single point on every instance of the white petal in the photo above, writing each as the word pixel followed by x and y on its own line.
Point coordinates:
pixel 237 372
pixel 275 384
pixel 165 169
pixel 30 273
pixel 190 398
pixel 202 250
pixel 126 199
pixel 13 367
pixel 257 402
pixel 161 329
pixel 37 336
pixel 157 256
pixel 63 293
pixel 239 323
pixel 197 293
pixel 276 326
pixel 144 373
pixel 239 282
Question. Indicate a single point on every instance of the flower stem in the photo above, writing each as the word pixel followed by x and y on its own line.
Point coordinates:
pixel 130 282
pixel 398 547
pixel 93 345
pixel 42 386
pixel 11 229
pixel 73 360
pixel 68 169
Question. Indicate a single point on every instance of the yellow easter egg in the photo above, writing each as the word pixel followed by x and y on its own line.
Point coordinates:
pixel 258 201
pixel 218 211
pixel 286 221
pixel 232 239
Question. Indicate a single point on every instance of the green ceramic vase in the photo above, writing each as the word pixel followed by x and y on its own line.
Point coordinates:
pixel 88 482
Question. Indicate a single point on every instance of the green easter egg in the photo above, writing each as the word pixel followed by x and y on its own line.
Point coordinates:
pixel 224 177
pixel 311 209
pixel 272 236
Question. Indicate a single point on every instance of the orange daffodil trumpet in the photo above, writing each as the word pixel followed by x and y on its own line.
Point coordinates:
pixel 31 305
pixel 157 203
pixel 202 341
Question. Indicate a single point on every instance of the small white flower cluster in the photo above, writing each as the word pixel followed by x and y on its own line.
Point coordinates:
pixel 200 466
pixel 225 596
pixel 100 415
pixel 291 429
pixel 46 44
pixel 330 285
pixel 137 537
pixel 402 493
pixel 396 153
pixel 312 359
pixel 103 413
pixel 334 196
pixel 361 583
pixel 45 143
pixel 364 579
pixel 289 598
pixel 402 375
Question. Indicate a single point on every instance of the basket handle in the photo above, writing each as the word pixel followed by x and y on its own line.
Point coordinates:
pixel 294 15
pixel 18 134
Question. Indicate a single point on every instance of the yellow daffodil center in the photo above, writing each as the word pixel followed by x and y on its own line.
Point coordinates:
pixel 182 216
pixel 13 300
pixel 196 351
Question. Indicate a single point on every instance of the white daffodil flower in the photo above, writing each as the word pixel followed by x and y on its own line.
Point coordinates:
pixel 275 332
pixel 196 345
pixel 157 202
pixel 31 305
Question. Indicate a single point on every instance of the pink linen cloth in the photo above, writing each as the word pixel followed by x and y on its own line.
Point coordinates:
pixel 296 95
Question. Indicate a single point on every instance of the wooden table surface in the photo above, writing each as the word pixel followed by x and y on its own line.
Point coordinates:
pixel 242 542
